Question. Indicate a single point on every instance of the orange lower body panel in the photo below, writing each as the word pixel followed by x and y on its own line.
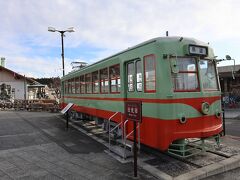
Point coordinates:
pixel 159 133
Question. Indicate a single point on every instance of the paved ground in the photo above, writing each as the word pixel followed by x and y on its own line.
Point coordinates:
pixel 232 113
pixel 35 145
pixel 232 122
pixel 233 133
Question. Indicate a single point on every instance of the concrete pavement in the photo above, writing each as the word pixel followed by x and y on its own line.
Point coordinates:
pixel 232 113
pixel 35 145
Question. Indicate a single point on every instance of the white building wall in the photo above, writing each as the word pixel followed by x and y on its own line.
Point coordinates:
pixel 19 89
pixel 18 84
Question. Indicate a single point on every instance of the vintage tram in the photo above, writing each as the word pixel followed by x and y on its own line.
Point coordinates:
pixel 175 78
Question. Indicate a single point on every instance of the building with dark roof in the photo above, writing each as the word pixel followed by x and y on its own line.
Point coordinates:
pixel 230 85
pixel 17 86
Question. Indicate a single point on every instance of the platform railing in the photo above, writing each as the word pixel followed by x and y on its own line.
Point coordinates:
pixel 129 134
pixel 111 130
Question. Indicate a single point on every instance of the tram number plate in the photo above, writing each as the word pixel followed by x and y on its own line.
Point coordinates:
pixel 133 110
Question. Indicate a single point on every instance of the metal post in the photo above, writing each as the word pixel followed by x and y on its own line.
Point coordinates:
pixel 62 34
pixel 25 92
pixel 223 117
pixel 135 149
pixel 67 119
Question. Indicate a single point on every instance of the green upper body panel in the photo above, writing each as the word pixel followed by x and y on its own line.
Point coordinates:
pixel 165 49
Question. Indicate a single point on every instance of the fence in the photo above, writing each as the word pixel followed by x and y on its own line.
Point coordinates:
pixel 30 105
pixel 232 99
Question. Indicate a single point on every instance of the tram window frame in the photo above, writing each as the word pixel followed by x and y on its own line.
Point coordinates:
pixel 146 90
pixel 69 86
pixel 104 89
pixel 95 74
pixel 196 72
pixel 133 77
pixel 88 83
pixel 73 85
pixel 66 87
pixel 117 79
pixel 77 85
pixel 82 84
pixel 215 72
pixel 136 72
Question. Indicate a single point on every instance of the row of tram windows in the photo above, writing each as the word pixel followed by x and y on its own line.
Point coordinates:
pixel 95 82
pixel 108 80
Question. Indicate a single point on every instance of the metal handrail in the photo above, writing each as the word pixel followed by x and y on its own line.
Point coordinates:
pixel 131 132
pixel 124 143
pixel 116 127
pixel 126 136
pixel 109 129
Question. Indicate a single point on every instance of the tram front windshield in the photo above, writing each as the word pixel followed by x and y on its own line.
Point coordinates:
pixel 188 76
pixel 208 74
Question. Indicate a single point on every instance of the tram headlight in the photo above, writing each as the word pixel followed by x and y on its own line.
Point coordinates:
pixel 218 114
pixel 205 108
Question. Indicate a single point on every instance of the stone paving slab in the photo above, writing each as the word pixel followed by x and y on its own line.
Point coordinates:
pixel 60 155
pixel 212 165
pixel 39 147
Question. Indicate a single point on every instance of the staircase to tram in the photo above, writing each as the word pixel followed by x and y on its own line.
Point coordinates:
pixel 118 143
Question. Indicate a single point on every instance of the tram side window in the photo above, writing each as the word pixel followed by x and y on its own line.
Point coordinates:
pixel 82 84
pixel 66 87
pixel 77 90
pixel 88 82
pixel 150 73
pixel 69 86
pixel 115 83
pixel 130 73
pixel 104 80
pixel 73 86
pixel 95 82
pixel 139 75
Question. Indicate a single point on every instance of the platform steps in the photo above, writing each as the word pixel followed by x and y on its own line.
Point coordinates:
pixel 112 132
pixel 121 146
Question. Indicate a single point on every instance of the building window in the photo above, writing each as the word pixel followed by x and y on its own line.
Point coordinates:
pixel 115 84
pixel 104 80
pixel 88 82
pixel 95 82
pixel 77 87
pixel 82 84
pixel 150 73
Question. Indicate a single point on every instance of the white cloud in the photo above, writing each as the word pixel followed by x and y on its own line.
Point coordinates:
pixel 111 25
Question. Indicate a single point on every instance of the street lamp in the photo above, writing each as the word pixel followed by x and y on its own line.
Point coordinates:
pixel 71 29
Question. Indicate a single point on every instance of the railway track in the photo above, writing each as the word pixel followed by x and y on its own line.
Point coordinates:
pixel 157 157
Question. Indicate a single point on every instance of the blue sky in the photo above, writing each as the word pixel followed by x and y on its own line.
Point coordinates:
pixel 104 27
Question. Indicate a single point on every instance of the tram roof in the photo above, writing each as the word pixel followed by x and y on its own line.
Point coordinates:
pixel 167 39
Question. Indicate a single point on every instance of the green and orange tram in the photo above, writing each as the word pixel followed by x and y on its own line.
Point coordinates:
pixel 175 78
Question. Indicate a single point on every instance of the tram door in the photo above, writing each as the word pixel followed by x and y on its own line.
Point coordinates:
pixel 134 85
pixel 134 79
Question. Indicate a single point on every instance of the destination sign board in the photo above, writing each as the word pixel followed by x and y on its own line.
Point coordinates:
pixel 133 110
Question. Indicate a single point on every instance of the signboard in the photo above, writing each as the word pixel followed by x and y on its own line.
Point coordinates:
pixel 67 108
pixel 133 110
